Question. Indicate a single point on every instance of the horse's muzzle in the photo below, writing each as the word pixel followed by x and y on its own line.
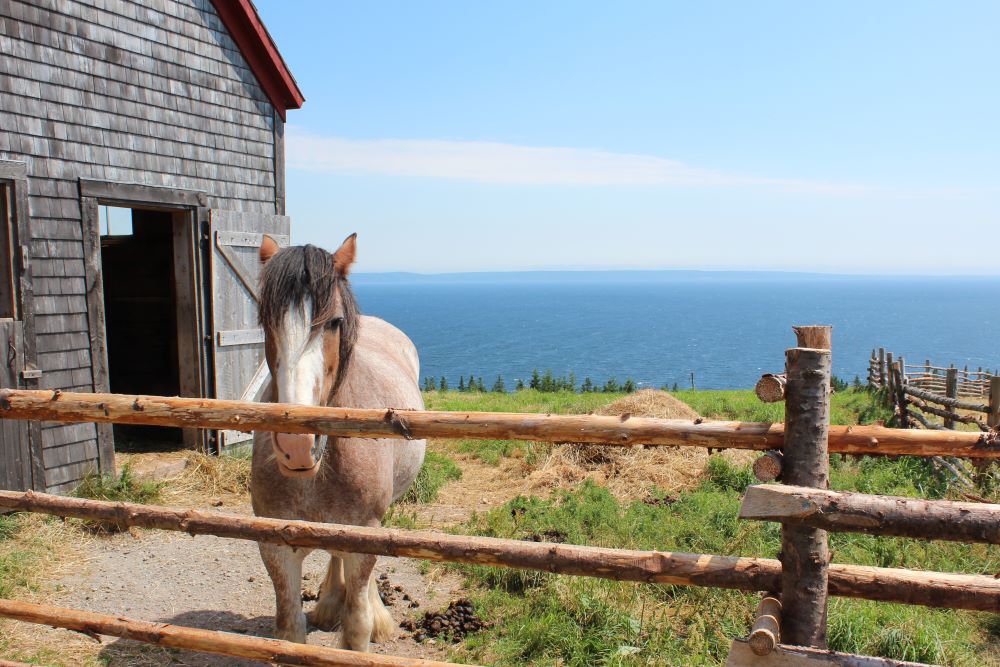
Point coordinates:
pixel 296 454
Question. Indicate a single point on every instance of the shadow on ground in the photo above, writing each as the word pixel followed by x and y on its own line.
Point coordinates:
pixel 124 652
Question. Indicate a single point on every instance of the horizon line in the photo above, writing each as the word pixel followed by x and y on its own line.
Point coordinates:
pixel 799 272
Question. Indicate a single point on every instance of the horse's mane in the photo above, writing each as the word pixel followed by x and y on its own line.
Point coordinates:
pixel 297 272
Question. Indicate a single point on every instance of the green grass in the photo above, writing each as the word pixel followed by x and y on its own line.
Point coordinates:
pixel 527 400
pixel 848 407
pixel 15 564
pixel 546 619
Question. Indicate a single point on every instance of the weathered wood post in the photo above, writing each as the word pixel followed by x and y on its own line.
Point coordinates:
pixel 993 419
pixel 951 391
pixel 805 556
pixel 881 367
pixel 900 397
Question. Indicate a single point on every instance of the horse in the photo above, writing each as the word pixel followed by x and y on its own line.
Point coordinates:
pixel 320 350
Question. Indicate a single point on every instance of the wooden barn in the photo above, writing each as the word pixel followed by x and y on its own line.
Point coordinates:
pixel 141 159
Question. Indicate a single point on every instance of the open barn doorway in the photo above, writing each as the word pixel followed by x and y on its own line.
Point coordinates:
pixel 151 304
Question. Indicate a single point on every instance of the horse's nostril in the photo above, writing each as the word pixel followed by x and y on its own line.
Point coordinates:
pixel 288 456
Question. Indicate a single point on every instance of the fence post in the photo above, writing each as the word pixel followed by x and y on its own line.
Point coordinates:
pixel 951 391
pixel 805 554
pixel 900 396
pixel 889 377
pixel 881 367
pixel 993 420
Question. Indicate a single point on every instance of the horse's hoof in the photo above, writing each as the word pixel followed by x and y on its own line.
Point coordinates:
pixel 296 635
pixel 324 617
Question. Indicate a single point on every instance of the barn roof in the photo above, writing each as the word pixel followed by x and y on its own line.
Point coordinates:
pixel 247 30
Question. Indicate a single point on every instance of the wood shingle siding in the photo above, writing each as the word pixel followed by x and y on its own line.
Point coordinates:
pixel 154 92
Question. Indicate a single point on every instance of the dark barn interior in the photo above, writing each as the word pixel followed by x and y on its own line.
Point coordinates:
pixel 140 303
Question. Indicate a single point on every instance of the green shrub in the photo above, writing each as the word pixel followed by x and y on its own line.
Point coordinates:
pixel 124 488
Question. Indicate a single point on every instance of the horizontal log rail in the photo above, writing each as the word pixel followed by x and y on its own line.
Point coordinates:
pixel 876 515
pixel 947 414
pixel 203 641
pixel 388 423
pixel 944 400
pixel 955 591
pixel 742 655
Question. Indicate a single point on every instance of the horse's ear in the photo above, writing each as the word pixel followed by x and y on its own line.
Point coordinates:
pixel 268 247
pixel 344 257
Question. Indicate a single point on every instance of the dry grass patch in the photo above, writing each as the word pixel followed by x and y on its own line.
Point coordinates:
pixel 36 551
pixel 630 472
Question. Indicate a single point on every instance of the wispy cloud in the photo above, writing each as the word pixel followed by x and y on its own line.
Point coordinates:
pixel 491 162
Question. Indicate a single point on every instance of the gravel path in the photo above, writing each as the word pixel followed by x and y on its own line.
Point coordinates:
pixel 220 584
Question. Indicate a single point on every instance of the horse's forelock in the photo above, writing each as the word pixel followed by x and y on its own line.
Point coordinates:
pixel 298 272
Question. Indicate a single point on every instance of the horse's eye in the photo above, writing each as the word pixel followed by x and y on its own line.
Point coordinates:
pixel 335 322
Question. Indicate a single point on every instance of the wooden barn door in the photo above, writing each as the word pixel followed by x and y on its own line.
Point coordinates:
pixel 237 341
pixel 15 450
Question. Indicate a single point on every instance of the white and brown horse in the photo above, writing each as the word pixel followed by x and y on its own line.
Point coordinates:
pixel 321 351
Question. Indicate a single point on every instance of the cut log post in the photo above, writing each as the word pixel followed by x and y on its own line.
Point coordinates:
pixel 765 634
pixel 881 367
pixel 771 388
pixel 993 419
pixel 767 468
pixel 741 655
pixel 876 515
pixel 816 337
pixel 958 591
pixel 805 556
pixel 951 391
pixel 62 406
pixel 203 641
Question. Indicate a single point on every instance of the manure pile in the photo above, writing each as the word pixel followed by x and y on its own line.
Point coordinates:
pixel 629 472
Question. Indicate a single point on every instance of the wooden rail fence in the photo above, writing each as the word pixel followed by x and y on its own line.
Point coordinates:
pixel 935 398
pixel 790 624
pixel 920 393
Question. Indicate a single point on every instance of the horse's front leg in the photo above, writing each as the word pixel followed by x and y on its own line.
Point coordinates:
pixel 284 566
pixel 326 614
pixel 365 618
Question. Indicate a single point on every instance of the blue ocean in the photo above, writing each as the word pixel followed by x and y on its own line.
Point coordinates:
pixel 658 328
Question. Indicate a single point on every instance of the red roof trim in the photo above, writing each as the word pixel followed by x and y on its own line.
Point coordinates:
pixel 248 31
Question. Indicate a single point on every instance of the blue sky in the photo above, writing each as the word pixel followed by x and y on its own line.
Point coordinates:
pixel 455 136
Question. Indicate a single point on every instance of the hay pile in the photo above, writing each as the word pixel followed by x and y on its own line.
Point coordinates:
pixel 630 472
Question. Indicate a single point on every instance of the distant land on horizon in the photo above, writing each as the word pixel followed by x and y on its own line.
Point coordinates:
pixel 619 276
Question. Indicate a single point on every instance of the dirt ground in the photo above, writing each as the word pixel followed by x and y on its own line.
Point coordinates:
pixel 212 583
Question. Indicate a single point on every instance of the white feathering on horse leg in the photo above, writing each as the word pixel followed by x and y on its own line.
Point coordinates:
pixel 327 612
pixel 383 628
pixel 358 619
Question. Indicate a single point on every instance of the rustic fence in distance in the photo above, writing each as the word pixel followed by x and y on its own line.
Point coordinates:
pixel 921 393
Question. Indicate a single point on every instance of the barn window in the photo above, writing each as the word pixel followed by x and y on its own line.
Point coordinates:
pixel 115 221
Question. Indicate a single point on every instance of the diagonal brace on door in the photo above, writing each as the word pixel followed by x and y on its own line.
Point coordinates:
pixel 237 266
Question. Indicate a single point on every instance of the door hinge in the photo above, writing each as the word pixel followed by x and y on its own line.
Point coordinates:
pixel 25 258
